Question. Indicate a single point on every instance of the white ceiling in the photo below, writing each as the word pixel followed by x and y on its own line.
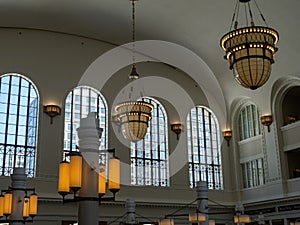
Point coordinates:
pixel 195 24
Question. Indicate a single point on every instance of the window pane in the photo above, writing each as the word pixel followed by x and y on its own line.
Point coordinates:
pixel 152 151
pixel 203 139
pixel 249 125
pixel 77 105
pixel 16 102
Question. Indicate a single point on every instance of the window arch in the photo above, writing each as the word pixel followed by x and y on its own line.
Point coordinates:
pixel 249 125
pixel 79 102
pixel 204 148
pixel 19 102
pixel 149 157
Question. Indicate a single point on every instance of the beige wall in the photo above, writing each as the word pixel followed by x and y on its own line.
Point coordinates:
pixel 55 63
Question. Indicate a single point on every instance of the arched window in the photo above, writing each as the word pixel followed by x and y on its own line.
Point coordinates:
pixel 149 157
pixel 79 102
pixel 204 148
pixel 249 125
pixel 19 102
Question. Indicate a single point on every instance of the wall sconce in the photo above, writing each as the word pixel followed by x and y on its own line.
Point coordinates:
pixel 52 111
pixel 266 120
pixel 227 136
pixel 15 195
pixel 177 128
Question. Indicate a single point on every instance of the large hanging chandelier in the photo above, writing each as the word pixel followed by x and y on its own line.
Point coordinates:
pixel 133 116
pixel 250 49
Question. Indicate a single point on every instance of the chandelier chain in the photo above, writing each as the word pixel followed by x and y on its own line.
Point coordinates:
pixel 234 14
pixel 262 16
pixel 133 31
pixel 248 14
pixel 251 16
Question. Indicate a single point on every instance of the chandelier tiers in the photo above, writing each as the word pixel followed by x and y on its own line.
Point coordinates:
pixel 133 116
pixel 250 49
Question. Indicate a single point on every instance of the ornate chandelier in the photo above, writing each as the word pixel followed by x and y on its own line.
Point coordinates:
pixel 250 49
pixel 133 116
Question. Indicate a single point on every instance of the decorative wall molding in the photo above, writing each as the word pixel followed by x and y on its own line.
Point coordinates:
pixel 279 90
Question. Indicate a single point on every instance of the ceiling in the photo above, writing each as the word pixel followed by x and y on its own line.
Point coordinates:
pixel 195 24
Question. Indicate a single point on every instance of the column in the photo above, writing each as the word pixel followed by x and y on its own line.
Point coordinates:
pixel 18 182
pixel 202 199
pixel 89 134
pixel 130 209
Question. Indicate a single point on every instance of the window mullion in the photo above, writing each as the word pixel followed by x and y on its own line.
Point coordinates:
pixel 6 125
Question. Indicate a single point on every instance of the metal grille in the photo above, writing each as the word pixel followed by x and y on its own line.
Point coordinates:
pixel 149 157
pixel 204 148
pixel 19 103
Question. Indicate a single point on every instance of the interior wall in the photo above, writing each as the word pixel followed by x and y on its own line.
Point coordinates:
pixel 55 63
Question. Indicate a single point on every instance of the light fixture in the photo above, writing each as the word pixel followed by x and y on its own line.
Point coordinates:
pixel 167 221
pixel 295 223
pixel 227 134
pixel 177 128
pixel 201 213
pixel 250 49
pixel 52 111
pixel 70 177
pixel 133 116
pixel 197 217
pixel 17 194
pixel 211 222
pixel 85 174
pixel 242 219
pixel 266 120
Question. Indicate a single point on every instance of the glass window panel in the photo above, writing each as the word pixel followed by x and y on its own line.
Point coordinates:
pixel 249 123
pixel 80 109
pixel 154 148
pixel 15 88
pixel 203 132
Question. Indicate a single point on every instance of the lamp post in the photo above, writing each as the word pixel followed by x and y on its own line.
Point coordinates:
pixel 84 173
pixel 15 205
pixel 202 202
pixel 130 210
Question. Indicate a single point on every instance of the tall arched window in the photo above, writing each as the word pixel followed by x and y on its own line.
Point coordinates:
pixel 79 102
pixel 249 125
pixel 19 102
pixel 149 157
pixel 204 148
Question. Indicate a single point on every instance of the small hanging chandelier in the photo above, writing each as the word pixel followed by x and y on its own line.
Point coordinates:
pixel 250 49
pixel 133 116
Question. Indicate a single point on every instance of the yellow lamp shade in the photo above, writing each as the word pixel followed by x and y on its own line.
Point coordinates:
pixel 102 180
pixel 211 222
pixel 1 205
pixel 33 202
pixel 242 219
pixel 26 207
pixel 64 178
pixel 197 217
pixel 114 175
pixel 166 222
pixel 75 172
pixel 7 203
